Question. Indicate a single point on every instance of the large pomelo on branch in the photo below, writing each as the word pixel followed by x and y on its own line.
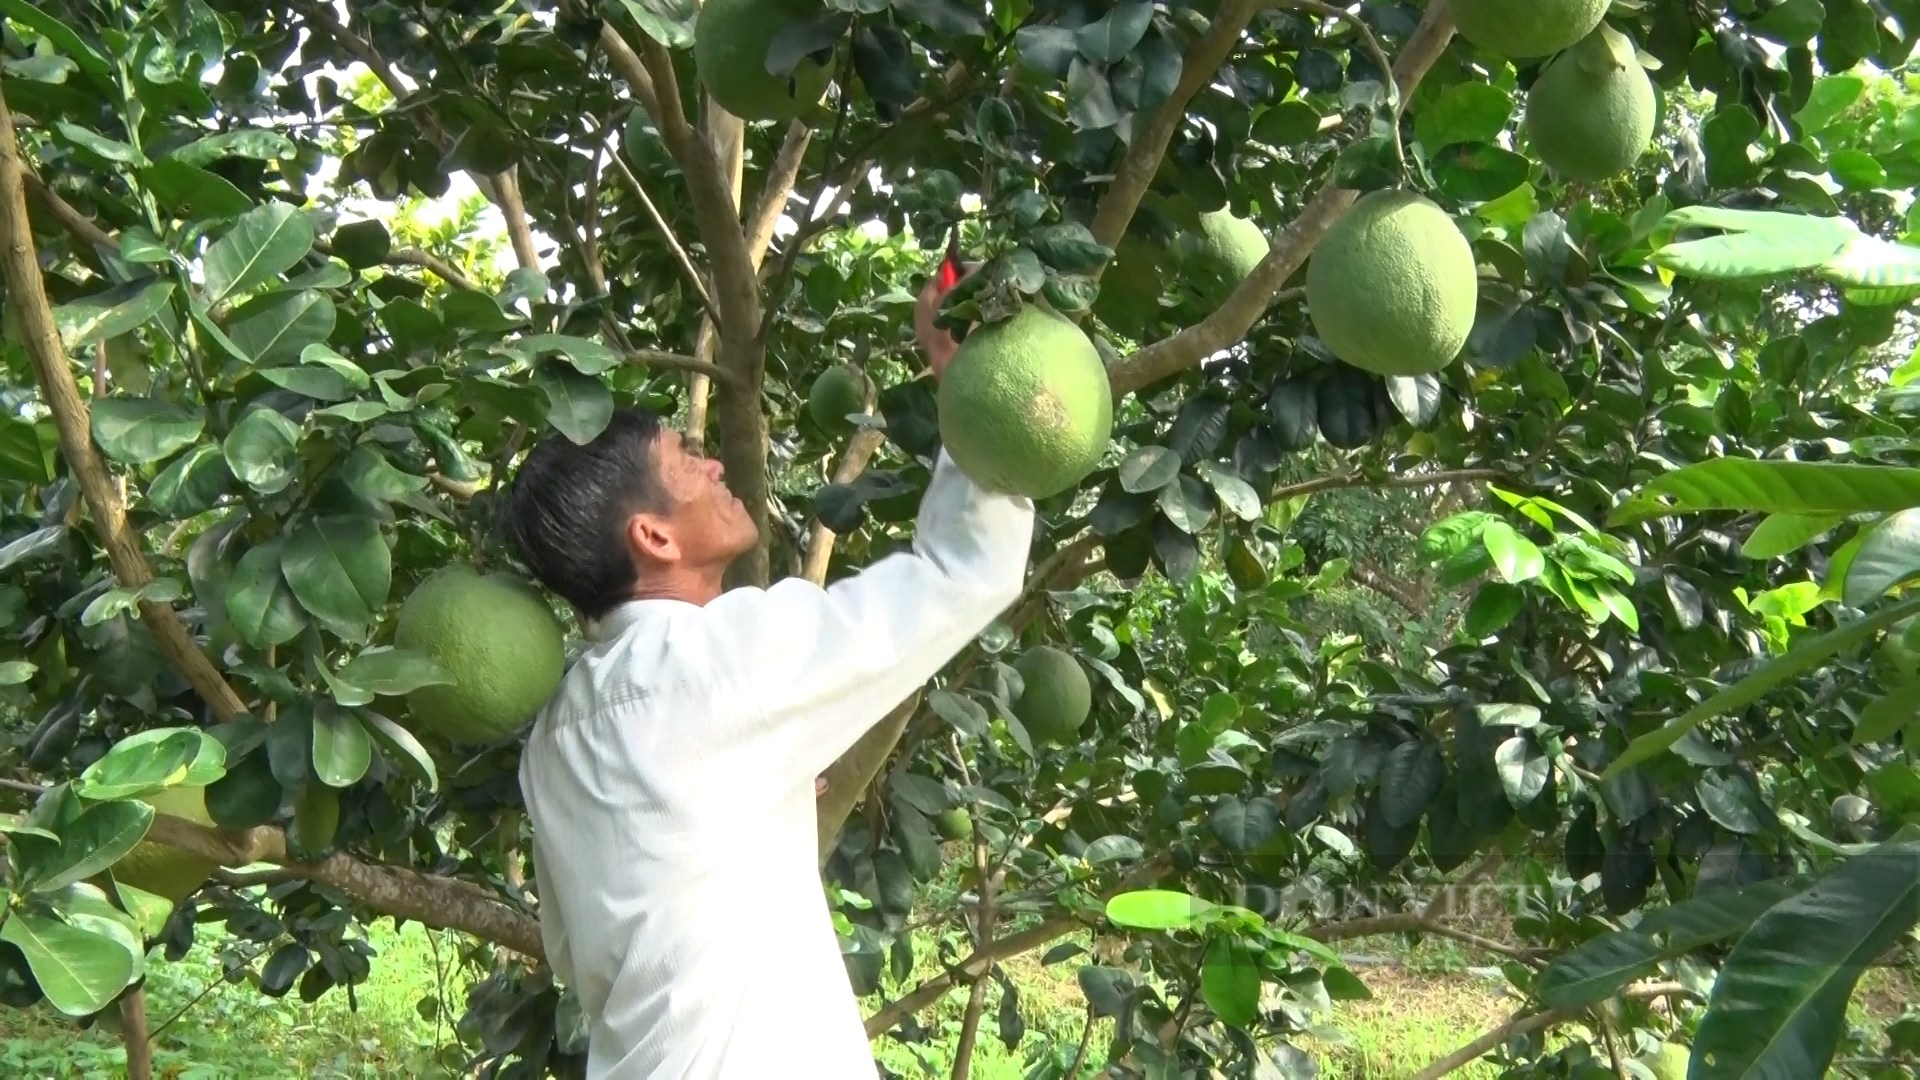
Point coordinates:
pixel 1025 405
pixel 163 870
pixel 1591 113
pixel 1524 29
pixel 1391 288
pixel 498 639
pixel 1055 695
pixel 730 41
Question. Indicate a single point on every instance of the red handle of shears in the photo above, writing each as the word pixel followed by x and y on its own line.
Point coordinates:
pixel 950 268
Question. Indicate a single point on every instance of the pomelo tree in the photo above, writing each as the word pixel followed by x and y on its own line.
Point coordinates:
pixel 1609 324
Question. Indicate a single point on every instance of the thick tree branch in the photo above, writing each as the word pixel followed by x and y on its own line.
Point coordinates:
pixel 850 776
pixel 1142 160
pixel 677 362
pixel 1252 297
pixel 71 417
pixel 503 189
pixel 440 902
pixel 1388 588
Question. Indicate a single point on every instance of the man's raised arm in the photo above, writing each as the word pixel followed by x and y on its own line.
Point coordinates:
pixel 820 666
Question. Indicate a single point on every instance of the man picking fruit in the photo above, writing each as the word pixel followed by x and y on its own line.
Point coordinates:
pixel 670 781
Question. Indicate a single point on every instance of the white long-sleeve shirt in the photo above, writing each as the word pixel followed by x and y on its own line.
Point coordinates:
pixel 670 788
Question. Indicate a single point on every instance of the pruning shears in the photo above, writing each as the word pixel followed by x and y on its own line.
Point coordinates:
pixel 951 270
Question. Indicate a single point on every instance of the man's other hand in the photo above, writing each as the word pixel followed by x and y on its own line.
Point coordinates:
pixel 819 786
pixel 938 344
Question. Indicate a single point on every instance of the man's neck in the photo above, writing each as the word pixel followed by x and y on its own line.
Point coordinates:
pixel 687 585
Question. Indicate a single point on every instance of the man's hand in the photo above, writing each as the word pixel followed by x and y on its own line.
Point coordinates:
pixel 938 344
pixel 819 786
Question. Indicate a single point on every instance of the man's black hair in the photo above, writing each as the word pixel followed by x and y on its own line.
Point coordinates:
pixel 570 503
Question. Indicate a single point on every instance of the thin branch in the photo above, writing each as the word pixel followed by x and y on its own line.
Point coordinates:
pixel 1525 1022
pixel 860 450
pixel 1409 923
pixel 679 250
pixel 1149 146
pixel 133 1032
pixel 504 189
pixel 678 362
pixel 1251 298
pixel 1012 945
pixel 77 223
pixel 776 191
pixel 71 417
pixel 1388 588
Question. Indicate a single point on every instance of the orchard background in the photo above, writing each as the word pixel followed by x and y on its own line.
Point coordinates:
pixel 1601 635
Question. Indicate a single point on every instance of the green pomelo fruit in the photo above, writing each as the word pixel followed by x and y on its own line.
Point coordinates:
pixel 730 40
pixel 1129 297
pixel 1524 29
pixel 838 392
pixel 1025 406
pixel 498 640
pixel 168 871
pixel 954 824
pixel 1590 114
pixel 1055 697
pixel 1225 252
pixel 1392 287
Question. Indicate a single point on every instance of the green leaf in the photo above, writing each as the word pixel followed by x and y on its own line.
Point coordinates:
pixel 340 570
pixel 1523 770
pixel 1244 825
pixel 1804 657
pixel 1110 38
pixel 319 383
pixel 79 971
pixel 1287 123
pixel 1794 487
pixel 136 431
pixel 62 37
pixel 112 150
pixel 341 749
pixel 1794 22
pixel 1069 248
pixel 1156 909
pixel 965 714
pixel 1779 1005
pixel 1785 533
pixel 1885 716
pixel 259 602
pixel 579 406
pixel 258 144
pixel 1494 606
pixel 192 483
pixel 354 375
pixel 110 312
pixel 94 841
pixel 277 328
pixel 1234 493
pixel 1230 982
pixel 1411 777
pixel 588 356
pixel 1149 468
pixel 1732 803
pixel 263 450
pixel 373 477
pixel 16 672
pixel 391 670
pixel 1888 557
pixel 1469 111
pixel 400 743
pixel 263 243
pixel 147 761
pixel 1517 558
pixel 669 22
pixel 1596 969
pixel 1089 97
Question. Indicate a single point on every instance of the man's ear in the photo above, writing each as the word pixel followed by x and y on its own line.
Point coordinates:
pixel 651 538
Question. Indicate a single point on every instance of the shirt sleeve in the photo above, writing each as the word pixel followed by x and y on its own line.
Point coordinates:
pixel 823 665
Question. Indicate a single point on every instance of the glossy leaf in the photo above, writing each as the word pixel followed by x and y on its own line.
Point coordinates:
pixel 1779 1005
pixel 80 971
pixel 339 569
pixel 263 243
pixel 1774 487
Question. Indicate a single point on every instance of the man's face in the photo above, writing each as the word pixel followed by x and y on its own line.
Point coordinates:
pixel 709 525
